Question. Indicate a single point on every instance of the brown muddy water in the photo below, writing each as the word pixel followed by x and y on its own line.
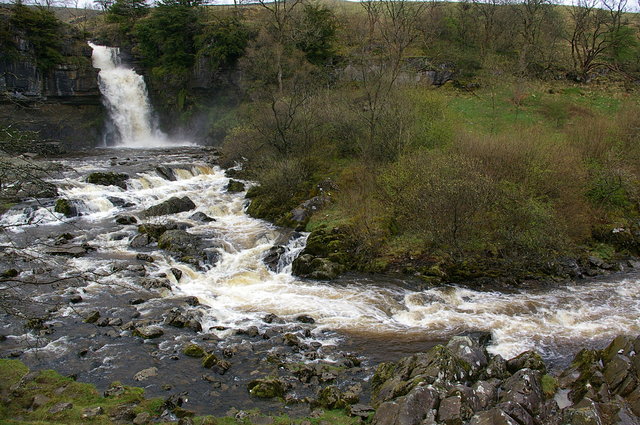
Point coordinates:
pixel 377 318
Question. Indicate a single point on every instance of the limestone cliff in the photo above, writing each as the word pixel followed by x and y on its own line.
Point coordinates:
pixel 61 102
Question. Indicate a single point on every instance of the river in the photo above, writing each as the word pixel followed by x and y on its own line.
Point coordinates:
pixel 239 289
pixel 375 317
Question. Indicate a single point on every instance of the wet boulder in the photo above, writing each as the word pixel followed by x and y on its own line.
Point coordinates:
pixel 496 368
pixel 119 202
pixel 170 206
pixel 126 220
pixel 623 345
pixel 235 186
pixel 146 374
pixel 201 217
pixel 74 251
pixel 166 173
pixel 526 360
pixel 218 365
pixel 181 242
pixel 303 212
pixel 452 412
pixel 194 350
pixel 267 388
pixel 140 241
pixel 108 179
pixel 438 366
pixel 470 350
pixel 584 376
pixel 308 266
pixel 179 318
pixel 618 375
pixel 272 259
pixel 66 207
pixel 154 283
pixel 148 332
pixel 525 389
pixel 415 408
pixel 154 230
pixel 486 392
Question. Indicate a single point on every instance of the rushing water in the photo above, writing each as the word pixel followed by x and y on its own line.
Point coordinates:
pixel 124 94
pixel 379 316
pixel 239 290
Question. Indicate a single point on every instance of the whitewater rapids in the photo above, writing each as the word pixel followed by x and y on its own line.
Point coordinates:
pixel 239 290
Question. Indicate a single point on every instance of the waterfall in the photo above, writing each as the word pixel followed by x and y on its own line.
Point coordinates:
pixel 125 96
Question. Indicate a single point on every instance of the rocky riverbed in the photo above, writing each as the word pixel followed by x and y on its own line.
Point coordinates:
pixel 144 269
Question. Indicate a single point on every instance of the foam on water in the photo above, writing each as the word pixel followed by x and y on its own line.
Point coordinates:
pixel 124 93
pixel 239 290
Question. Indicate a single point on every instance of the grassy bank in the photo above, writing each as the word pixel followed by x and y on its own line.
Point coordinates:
pixel 46 397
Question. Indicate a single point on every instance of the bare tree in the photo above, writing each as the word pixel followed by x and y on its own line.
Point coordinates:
pixel 392 27
pixel 281 16
pixel 595 25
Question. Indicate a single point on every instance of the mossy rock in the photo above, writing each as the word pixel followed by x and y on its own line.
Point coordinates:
pixel 108 179
pixel 9 273
pixel 267 388
pixel 181 242
pixel 235 186
pixel 620 345
pixel 527 360
pixel 172 205
pixel 331 398
pixel 210 361
pixel 194 350
pixel 153 230
pixel 66 207
pixel 261 207
pixel 383 373
pixel 318 268
pixel 252 192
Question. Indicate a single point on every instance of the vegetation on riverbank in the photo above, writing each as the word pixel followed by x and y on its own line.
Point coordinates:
pixel 47 397
pixel 518 165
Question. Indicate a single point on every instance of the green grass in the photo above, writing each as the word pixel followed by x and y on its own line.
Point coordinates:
pixel 16 410
pixel 59 389
pixel 506 106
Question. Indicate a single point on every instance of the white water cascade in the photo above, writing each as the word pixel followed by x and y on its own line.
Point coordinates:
pixel 239 289
pixel 125 96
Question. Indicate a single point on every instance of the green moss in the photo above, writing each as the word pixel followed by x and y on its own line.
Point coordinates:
pixel 11 371
pixel 58 389
pixel 63 206
pixel 266 388
pixel 549 385
pixel 331 398
pixel 235 186
pixel 383 373
pixel 193 350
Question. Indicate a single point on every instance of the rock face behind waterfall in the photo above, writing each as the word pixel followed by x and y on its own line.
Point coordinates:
pixel 62 101
pixel 461 383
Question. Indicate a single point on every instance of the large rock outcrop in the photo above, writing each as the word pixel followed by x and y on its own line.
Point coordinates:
pixel 461 383
pixel 60 102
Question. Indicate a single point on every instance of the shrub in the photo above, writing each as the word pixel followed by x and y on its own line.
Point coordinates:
pixel 441 195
